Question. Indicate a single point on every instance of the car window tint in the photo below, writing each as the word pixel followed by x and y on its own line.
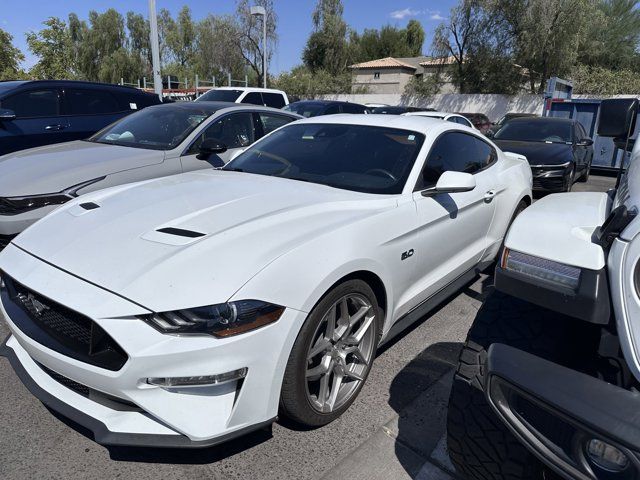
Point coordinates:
pixel 271 122
pixel 254 98
pixel 452 120
pixel 331 109
pixel 274 100
pixel 220 96
pixel 352 108
pixel 33 103
pixel 235 131
pixel 456 152
pixel 85 102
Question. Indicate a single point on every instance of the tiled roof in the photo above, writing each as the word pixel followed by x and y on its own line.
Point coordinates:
pixel 388 62
pixel 439 61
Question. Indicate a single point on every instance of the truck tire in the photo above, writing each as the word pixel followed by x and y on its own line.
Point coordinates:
pixel 480 445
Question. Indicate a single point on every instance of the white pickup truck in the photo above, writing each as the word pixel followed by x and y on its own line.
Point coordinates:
pixel 548 382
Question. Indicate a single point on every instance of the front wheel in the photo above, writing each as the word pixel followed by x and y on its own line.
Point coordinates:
pixel 584 178
pixel 332 356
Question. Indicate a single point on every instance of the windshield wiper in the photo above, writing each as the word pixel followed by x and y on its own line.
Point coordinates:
pixel 232 169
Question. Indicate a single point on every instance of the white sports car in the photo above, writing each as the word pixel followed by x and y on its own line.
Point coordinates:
pixel 190 309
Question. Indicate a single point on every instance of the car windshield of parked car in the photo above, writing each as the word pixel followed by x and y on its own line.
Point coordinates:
pixel 361 158
pixel 220 96
pixel 306 109
pixel 537 131
pixel 155 128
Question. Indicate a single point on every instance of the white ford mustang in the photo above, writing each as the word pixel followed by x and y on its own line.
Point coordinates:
pixel 187 310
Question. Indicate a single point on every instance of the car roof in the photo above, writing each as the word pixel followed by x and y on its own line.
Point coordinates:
pixel 250 89
pixel 404 122
pixel 536 119
pixel 212 107
pixel 431 114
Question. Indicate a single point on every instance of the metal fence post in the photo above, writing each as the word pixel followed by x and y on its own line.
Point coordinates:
pixel 144 82
pixel 229 76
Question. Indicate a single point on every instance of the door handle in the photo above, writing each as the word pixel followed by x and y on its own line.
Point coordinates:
pixel 488 196
pixel 54 127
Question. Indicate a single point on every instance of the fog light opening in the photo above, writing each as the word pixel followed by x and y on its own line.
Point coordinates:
pixel 198 380
pixel 606 456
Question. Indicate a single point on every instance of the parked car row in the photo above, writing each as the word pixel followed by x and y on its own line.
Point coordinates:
pixel 190 309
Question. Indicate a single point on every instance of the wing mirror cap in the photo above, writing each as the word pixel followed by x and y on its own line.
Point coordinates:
pixel 7 114
pixel 585 142
pixel 617 117
pixel 209 147
pixel 452 182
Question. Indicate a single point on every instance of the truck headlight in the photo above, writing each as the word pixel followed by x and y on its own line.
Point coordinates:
pixel 541 269
pixel 221 320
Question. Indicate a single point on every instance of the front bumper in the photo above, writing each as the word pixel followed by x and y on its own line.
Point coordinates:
pixel 121 408
pixel 555 411
pixel 550 178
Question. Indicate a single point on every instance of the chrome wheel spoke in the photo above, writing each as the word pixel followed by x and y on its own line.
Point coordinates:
pixel 331 324
pixel 323 393
pixel 356 338
pixel 335 389
pixel 353 320
pixel 323 368
pixel 322 345
pixel 354 375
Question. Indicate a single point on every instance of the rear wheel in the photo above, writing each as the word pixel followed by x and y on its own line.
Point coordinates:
pixel 585 175
pixel 332 355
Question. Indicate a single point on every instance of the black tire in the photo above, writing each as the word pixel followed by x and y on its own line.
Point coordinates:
pixel 519 209
pixel 584 178
pixel 570 181
pixel 480 446
pixel 294 403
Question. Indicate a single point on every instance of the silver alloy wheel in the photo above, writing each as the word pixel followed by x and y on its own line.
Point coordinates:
pixel 341 351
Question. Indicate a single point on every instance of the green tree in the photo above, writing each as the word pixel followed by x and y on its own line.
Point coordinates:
pixel 139 39
pixel 414 37
pixel 249 35
pixel 10 58
pixel 301 82
pixel 181 38
pixel 218 54
pixel 53 47
pixel 327 47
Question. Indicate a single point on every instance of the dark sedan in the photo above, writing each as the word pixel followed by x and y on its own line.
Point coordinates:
pixel 558 150
pixel 315 108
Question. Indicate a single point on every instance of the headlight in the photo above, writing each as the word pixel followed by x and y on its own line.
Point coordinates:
pixel 222 320
pixel 16 205
pixel 542 269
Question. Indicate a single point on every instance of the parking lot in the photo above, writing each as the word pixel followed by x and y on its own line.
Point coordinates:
pixel 395 429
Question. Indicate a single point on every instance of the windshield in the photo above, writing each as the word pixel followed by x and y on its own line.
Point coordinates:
pixel 536 131
pixel 352 157
pixel 155 128
pixel 306 109
pixel 220 96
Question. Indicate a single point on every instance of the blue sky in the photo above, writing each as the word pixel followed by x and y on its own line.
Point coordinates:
pixel 294 17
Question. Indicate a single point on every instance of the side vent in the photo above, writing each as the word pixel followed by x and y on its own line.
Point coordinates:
pixel 181 232
pixel 89 205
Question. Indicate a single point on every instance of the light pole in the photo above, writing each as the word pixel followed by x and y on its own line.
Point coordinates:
pixel 261 11
pixel 155 49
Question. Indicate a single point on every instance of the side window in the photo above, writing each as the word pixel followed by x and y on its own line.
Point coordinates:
pixel 453 120
pixel 464 121
pixel 34 103
pixel 90 102
pixel 332 109
pixel 274 100
pixel 271 122
pixel 235 131
pixel 457 152
pixel 352 108
pixel 254 98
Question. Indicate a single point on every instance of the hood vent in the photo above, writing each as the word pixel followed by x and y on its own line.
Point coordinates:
pixel 89 205
pixel 181 232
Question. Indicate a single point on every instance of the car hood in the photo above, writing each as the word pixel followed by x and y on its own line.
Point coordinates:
pixel 54 168
pixel 242 222
pixel 538 153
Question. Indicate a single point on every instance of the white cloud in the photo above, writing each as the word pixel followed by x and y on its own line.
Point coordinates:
pixel 407 12
pixel 436 16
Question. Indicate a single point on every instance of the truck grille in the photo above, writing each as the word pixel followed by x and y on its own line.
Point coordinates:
pixel 60 328
pixel 551 183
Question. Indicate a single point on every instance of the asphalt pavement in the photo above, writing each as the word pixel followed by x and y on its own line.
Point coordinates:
pixel 394 430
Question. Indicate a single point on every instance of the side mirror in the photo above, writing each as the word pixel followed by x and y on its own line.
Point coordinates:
pixel 452 182
pixel 617 117
pixel 585 142
pixel 490 133
pixel 209 147
pixel 6 114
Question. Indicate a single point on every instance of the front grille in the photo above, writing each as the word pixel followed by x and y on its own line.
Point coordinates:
pixel 67 382
pixel 5 240
pixel 60 328
pixel 549 183
pixel 9 208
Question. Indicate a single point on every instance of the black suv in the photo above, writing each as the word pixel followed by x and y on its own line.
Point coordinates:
pixel 34 113
pixel 315 108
